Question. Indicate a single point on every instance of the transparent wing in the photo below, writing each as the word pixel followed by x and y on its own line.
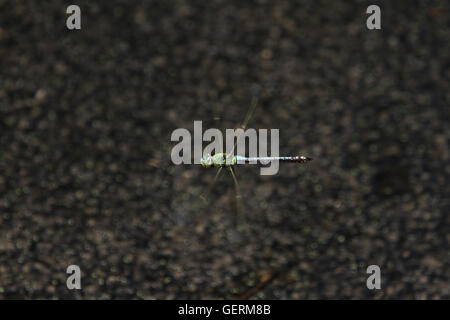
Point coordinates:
pixel 244 124
pixel 211 185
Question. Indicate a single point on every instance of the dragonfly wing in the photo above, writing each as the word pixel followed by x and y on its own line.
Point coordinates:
pixel 249 114
pixel 211 184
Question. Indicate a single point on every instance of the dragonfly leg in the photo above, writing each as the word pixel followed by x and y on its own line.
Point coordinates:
pixel 211 185
pixel 216 177
pixel 239 216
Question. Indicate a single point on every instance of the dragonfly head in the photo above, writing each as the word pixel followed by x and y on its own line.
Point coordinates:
pixel 207 162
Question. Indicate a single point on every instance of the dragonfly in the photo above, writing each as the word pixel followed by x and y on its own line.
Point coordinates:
pixel 230 161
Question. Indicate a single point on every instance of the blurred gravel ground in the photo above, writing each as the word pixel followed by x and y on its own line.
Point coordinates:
pixel 86 178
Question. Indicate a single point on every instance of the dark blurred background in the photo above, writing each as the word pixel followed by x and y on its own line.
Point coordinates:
pixel 86 177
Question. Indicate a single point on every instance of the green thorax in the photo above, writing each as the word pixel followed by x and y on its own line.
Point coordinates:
pixel 221 160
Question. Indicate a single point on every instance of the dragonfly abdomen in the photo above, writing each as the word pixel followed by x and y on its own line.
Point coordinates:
pixel 248 160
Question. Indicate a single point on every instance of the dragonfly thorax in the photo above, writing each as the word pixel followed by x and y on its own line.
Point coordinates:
pixel 218 160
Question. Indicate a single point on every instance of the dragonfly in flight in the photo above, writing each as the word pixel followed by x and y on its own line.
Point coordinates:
pixel 229 160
